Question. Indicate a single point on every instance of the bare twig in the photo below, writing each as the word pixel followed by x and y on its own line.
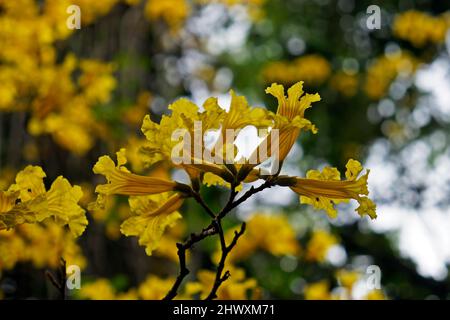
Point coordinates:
pixel 267 184
pixel 215 227
pixel 59 281
pixel 225 251
pixel 182 248
pixel 200 201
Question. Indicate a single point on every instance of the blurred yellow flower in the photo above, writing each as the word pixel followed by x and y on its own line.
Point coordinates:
pixel 347 278
pixel 154 288
pixel 345 84
pixel 313 68
pixel 96 81
pixel 375 295
pixel 383 70
pixel 41 244
pixel 100 289
pixel 172 12
pixel 134 114
pixel 272 233
pixel 236 287
pixel 319 244
pixel 318 291
pixel 34 80
pixel 420 28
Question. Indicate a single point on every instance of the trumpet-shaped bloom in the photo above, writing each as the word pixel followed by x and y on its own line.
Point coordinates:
pixel 183 119
pixel 62 199
pixel 29 182
pixel 187 122
pixel 121 181
pixel 27 201
pixel 324 189
pixel 152 209
pixel 151 215
pixel 289 120
pixel 241 114
pixel 12 214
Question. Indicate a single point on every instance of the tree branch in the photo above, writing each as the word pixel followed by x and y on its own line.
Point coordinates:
pixel 59 281
pixel 267 184
pixel 182 248
pixel 215 227
pixel 225 251
pixel 200 201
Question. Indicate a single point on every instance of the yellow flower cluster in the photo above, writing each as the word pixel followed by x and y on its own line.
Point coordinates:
pixel 155 201
pixel 172 12
pixel 42 241
pixel 34 81
pixel 385 69
pixel 67 116
pixel 153 209
pixel 345 84
pixel 90 10
pixel 40 244
pixel 237 287
pixel 27 201
pixel 346 279
pixel 153 288
pixel 313 68
pixel 420 28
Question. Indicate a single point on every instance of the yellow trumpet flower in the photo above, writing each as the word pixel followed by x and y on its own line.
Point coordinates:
pixel 27 201
pixel 289 120
pixel 324 189
pixel 149 223
pixel 123 182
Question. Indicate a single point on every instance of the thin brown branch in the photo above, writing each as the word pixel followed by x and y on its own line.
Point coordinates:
pixel 215 227
pixel 182 248
pixel 59 281
pixel 267 184
pixel 200 201
pixel 225 251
